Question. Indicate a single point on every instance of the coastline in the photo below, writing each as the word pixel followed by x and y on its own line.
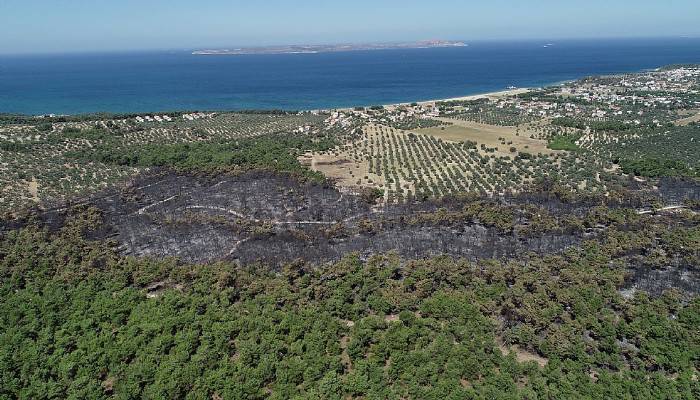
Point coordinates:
pixel 317 96
pixel 432 102
pixel 487 95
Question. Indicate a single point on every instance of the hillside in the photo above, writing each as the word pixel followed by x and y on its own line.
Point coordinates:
pixel 544 244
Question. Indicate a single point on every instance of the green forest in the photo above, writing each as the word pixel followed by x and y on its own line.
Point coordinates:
pixel 79 321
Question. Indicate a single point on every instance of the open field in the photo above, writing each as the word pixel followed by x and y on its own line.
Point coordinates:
pixel 340 169
pixel 693 117
pixel 493 136
pixel 520 354
pixel 33 188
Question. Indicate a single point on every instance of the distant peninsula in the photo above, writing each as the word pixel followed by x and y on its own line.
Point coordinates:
pixel 330 48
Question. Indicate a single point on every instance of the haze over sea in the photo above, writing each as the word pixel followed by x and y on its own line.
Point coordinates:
pixel 177 80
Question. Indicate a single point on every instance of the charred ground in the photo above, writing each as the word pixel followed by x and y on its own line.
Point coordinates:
pixel 261 285
pixel 274 219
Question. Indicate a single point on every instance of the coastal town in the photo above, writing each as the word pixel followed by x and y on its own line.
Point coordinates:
pixel 587 133
pixel 629 98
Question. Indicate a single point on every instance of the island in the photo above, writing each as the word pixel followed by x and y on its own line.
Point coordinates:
pixel 331 48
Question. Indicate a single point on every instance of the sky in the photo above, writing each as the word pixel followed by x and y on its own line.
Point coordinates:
pixel 50 26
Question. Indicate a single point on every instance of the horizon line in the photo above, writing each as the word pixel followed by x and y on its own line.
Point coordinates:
pixel 483 40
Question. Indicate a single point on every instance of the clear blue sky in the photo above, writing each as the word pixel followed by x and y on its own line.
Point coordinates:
pixel 32 26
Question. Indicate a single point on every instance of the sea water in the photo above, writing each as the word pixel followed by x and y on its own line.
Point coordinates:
pixel 178 80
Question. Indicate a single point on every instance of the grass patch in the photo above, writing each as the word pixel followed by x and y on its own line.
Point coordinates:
pixel 564 142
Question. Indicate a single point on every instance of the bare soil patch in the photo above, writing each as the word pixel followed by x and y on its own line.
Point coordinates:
pixel 688 120
pixel 33 188
pixel 344 172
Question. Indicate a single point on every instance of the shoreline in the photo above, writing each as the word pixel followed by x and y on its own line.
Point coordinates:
pixel 432 102
pixel 486 95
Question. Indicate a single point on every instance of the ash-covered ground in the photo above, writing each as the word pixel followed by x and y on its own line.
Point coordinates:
pixel 272 219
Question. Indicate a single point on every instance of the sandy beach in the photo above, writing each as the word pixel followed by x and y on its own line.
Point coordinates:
pixel 489 95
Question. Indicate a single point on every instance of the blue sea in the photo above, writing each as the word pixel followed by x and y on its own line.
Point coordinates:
pixel 177 80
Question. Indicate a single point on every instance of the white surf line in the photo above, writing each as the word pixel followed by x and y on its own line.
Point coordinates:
pixel 143 210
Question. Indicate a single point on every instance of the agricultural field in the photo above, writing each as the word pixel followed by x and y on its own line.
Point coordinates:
pixel 407 166
pixel 493 136
pixel 53 161
pixel 587 136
